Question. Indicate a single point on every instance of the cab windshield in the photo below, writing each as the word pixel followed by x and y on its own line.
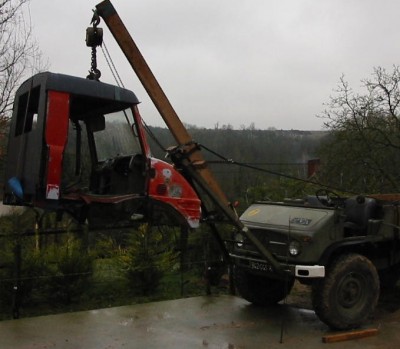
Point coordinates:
pixel 119 137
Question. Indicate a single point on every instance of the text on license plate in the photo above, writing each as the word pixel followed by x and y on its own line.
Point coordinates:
pixel 260 266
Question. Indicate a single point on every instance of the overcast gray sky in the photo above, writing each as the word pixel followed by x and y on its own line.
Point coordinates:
pixel 268 62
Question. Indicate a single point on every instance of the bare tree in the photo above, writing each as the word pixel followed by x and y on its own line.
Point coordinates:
pixel 19 52
pixel 363 153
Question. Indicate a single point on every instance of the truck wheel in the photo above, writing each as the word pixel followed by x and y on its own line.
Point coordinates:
pixel 348 294
pixel 261 290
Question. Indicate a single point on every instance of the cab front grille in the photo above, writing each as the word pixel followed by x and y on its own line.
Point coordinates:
pixel 275 242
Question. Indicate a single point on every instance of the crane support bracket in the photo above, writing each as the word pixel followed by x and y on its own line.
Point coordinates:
pixel 105 9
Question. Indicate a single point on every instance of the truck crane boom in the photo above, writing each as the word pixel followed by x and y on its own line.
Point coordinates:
pixel 187 154
pixel 125 41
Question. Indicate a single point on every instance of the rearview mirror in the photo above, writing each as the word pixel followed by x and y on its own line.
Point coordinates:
pixel 96 123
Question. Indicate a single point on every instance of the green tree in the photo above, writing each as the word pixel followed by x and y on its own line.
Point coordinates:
pixel 20 55
pixel 71 269
pixel 149 256
pixel 362 152
pixel 18 50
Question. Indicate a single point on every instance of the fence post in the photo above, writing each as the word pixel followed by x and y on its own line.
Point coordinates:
pixel 183 256
pixel 16 301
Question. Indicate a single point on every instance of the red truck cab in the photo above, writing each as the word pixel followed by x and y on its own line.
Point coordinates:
pixel 79 146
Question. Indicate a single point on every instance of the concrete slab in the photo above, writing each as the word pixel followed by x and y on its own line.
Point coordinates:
pixel 209 322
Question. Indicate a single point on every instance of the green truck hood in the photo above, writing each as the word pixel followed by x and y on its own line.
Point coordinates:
pixel 285 217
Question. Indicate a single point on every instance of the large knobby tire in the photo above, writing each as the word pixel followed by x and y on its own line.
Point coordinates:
pixel 261 290
pixel 348 294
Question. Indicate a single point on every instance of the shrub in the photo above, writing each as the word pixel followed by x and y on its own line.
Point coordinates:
pixel 147 259
pixel 71 271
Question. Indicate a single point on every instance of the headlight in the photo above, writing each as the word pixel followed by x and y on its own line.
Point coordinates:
pixel 294 248
pixel 239 239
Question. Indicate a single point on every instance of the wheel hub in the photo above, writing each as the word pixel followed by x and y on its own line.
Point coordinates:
pixel 351 290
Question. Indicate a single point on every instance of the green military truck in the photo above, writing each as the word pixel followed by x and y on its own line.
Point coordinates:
pixel 347 249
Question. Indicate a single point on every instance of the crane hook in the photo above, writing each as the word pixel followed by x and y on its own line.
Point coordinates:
pixel 95 19
pixel 94 38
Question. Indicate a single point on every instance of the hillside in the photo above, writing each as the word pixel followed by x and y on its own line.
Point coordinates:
pixel 249 145
pixel 280 151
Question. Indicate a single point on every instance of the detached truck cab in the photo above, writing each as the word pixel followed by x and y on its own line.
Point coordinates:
pixel 79 146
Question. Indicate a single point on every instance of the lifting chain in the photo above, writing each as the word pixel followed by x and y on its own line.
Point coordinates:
pixel 94 38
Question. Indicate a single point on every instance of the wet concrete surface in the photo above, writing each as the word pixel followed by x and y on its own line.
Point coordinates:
pixel 209 322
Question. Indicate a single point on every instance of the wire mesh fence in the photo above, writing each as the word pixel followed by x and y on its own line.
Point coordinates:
pixel 70 271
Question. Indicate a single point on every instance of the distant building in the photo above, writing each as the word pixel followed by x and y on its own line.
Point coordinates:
pixel 313 167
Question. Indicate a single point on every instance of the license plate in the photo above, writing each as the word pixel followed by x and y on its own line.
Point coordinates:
pixel 260 266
